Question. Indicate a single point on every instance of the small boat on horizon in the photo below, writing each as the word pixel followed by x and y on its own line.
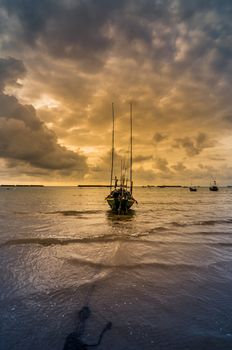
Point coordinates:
pixel 193 188
pixel 120 198
pixel 213 186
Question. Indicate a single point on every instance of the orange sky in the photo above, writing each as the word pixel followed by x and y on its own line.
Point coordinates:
pixel 62 65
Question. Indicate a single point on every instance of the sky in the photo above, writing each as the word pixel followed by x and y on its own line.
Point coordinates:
pixel 63 63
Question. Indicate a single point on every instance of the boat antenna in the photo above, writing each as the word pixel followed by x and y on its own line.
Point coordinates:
pixel 112 152
pixel 131 181
pixel 121 174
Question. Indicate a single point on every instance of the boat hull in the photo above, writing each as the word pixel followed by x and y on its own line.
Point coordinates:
pixel 120 206
pixel 213 188
pixel 192 189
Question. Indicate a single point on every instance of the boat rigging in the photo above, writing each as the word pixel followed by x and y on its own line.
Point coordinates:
pixel 120 198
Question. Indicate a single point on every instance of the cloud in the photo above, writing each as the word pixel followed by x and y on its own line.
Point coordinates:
pixel 228 118
pixel 179 167
pixel 23 137
pixel 158 137
pixel 172 58
pixel 11 70
pixel 194 146
pixel 162 165
pixel 142 158
pixel 76 30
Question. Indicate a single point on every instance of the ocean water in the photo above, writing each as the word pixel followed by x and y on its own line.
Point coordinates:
pixel 162 275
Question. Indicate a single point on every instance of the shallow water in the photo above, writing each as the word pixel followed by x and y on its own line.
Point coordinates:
pixel 162 275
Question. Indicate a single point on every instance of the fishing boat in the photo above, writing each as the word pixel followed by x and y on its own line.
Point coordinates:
pixel 193 189
pixel 213 186
pixel 120 198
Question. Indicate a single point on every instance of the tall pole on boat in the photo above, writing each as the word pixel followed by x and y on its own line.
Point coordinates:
pixel 131 181
pixel 112 152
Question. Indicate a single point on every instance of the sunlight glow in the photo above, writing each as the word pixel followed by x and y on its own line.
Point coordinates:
pixel 46 101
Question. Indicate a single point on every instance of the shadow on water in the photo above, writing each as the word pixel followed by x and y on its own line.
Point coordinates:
pixel 115 218
pixel 74 340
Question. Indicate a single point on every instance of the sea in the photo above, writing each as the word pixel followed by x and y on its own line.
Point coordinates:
pixel 162 275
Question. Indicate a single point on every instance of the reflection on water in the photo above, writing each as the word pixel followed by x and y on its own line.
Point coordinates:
pixel 119 218
pixel 162 274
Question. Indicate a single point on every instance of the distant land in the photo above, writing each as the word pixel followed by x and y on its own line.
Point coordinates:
pixel 22 185
pixel 93 185
pixel 144 186
pixel 108 186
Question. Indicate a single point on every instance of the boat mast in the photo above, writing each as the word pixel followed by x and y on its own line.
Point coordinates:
pixel 112 152
pixel 131 181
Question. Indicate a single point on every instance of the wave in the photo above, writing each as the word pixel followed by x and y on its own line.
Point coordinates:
pixel 135 265
pixel 214 222
pixel 48 241
pixel 179 224
pixel 202 223
pixel 223 244
pixel 134 238
pixel 74 212
pixel 211 233
pixel 62 212
pixel 22 212
pixel 184 243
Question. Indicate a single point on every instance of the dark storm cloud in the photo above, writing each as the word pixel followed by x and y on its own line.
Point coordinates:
pixel 66 29
pixel 188 9
pixel 88 30
pixel 23 137
pixel 208 29
pixel 172 32
pixel 10 71
pixel 32 15
pixel 81 22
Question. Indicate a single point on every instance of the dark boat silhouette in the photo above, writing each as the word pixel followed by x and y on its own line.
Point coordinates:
pixel 120 198
pixel 213 187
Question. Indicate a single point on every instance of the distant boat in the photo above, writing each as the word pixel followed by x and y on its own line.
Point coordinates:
pixel 213 186
pixel 120 198
pixel 193 189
